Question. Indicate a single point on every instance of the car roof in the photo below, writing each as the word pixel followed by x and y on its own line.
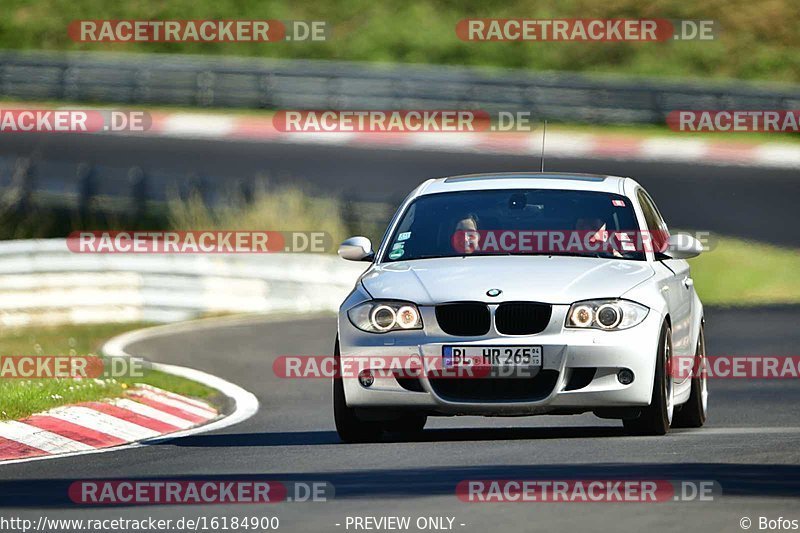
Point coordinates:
pixel 524 180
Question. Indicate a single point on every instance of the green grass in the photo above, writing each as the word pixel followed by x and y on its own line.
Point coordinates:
pixel 757 40
pixel 20 397
pixel 743 273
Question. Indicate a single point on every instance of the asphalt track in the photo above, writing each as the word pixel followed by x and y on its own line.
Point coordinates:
pixel 748 202
pixel 750 446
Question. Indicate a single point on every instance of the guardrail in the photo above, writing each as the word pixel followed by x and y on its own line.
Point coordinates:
pixel 42 282
pixel 256 83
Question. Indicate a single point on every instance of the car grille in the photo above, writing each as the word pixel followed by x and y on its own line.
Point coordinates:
pixel 522 318
pixel 496 389
pixel 465 319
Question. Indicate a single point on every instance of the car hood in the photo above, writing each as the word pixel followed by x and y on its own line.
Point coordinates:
pixel 556 280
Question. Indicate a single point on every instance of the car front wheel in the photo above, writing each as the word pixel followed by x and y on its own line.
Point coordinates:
pixel 656 418
pixel 693 413
pixel 349 427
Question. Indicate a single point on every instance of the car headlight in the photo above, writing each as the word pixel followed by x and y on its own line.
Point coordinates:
pixel 378 316
pixel 607 314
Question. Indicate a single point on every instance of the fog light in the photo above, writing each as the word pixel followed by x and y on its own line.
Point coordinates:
pixel 625 376
pixel 366 378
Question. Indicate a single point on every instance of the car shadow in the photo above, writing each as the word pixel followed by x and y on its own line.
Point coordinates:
pixel 317 438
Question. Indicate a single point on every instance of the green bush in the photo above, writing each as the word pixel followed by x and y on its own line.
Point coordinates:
pixel 284 208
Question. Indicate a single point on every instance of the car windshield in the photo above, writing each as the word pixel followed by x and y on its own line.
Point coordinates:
pixel 517 222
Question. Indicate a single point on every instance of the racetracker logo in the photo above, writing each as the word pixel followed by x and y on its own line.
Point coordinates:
pixel 73 121
pixel 382 121
pixel 490 363
pixel 735 121
pixel 593 241
pixel 736 366
pixel 197 492
pixel 585 491
pixel 585 30
pixel 198 242
pixel 196 31
pixel 50 366
pixel 69 367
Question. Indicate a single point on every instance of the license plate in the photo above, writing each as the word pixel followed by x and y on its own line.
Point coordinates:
pixel 494 356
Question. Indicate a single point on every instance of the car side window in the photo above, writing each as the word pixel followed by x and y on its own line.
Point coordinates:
pixel 655 223
pixel 661 222
pixel 650 217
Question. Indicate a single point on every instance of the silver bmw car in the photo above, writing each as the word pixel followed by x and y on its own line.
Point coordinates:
pixel 521 294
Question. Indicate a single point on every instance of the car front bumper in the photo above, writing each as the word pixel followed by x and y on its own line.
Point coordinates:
pixel 565 352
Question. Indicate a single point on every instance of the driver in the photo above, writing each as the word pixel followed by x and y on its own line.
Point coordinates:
pixel 467 229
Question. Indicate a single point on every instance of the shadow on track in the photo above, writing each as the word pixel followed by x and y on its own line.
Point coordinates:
pixel 763 480
pixel 315 438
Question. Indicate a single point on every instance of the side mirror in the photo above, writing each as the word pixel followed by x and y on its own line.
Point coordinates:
pixel 356 249
pixel 682 246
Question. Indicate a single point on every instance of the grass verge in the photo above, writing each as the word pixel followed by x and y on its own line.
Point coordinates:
pixel 22 397
pixel 745 273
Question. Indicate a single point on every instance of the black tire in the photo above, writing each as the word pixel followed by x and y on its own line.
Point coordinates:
pixel 348 425
pixel 654 419
pixel 693 413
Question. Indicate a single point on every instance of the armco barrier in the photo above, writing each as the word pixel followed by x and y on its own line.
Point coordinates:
pixel 187 80
pixel 42 282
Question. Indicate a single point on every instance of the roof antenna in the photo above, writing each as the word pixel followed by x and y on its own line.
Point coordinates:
pixel 544 132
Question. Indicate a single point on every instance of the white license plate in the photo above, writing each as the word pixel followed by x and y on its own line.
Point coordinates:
pixel 494 356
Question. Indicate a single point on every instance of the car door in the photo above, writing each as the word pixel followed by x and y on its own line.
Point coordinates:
pixel 677 286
